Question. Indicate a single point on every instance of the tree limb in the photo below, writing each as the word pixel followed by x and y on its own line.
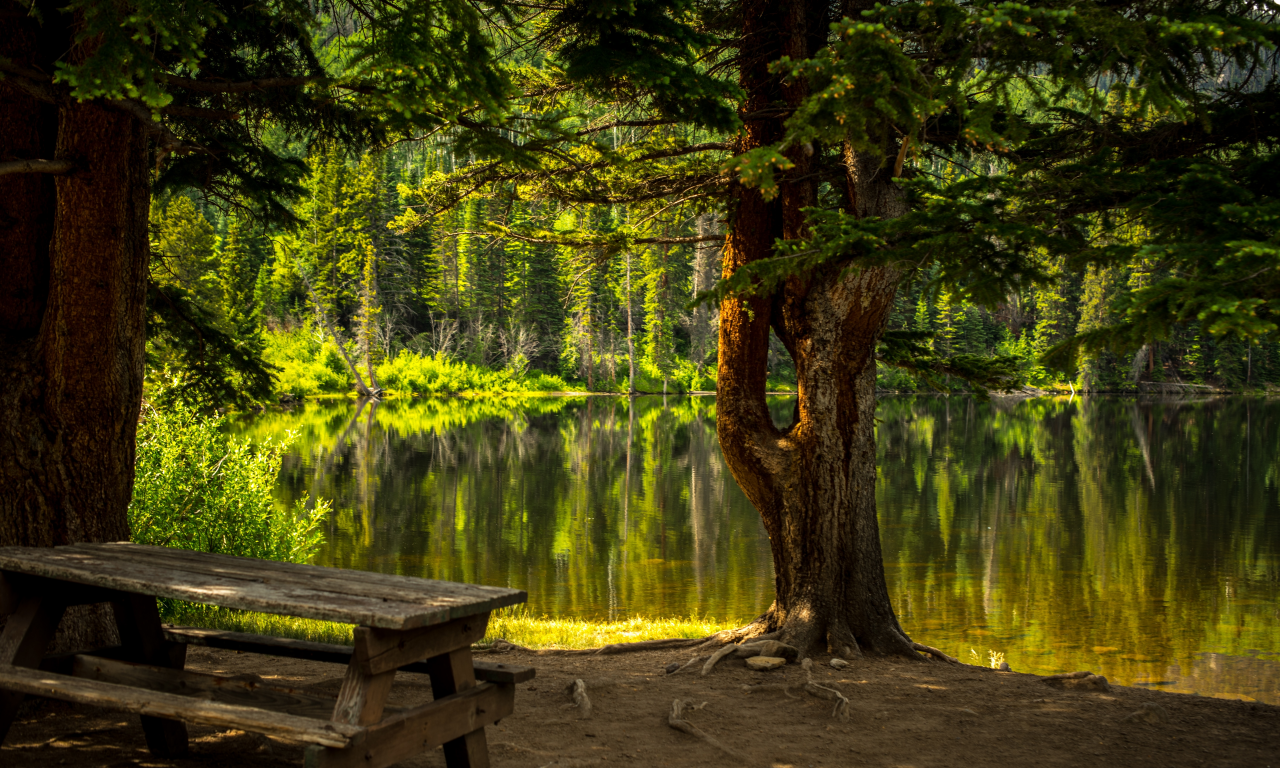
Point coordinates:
pixel 209 86
pixel 202 113
pixel 37 166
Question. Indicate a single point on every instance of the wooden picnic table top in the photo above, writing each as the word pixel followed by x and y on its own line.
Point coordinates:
pixel 306 591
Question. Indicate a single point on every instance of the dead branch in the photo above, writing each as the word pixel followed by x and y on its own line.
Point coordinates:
pixel 935 653
pixel 676 720
pixel 37 166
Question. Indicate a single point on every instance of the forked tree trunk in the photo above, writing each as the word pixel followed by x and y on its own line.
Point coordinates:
pixel 814 482
pixel 73 254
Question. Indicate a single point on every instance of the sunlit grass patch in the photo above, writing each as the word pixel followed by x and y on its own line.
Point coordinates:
pixel 522 628
pixel 514 626
pixel 259 623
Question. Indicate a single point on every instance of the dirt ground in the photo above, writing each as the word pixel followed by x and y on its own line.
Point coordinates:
pixel 901 714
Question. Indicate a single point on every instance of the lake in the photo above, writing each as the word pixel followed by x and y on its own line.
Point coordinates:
pixel 1136 538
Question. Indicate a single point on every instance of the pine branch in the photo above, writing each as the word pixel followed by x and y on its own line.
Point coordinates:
pixel 55 167
pixel 260 84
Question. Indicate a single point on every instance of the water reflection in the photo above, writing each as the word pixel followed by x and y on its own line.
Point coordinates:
pixel 1137 539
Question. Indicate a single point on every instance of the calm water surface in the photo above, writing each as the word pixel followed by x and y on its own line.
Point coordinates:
pixel 1137 539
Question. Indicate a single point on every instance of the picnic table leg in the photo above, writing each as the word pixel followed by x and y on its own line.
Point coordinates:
pixel 138 621
pixel 26 636
pixel 450 673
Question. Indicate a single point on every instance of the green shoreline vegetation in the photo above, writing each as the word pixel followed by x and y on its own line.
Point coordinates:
pixel 513 625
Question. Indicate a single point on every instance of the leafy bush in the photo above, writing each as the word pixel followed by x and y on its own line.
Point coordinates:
pixel 197 488
pixel 421 374
pixel 306 367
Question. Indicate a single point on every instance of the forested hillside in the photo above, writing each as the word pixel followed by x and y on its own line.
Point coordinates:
pixel 459 301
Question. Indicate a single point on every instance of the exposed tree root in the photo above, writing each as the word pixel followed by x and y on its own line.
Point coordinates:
pixel 935 653
pixel 841 710
pixel 716 657
pixel 676 720
pixel 578 690
pixel 689 663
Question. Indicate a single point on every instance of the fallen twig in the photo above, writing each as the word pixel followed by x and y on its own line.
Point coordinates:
pixel 676 720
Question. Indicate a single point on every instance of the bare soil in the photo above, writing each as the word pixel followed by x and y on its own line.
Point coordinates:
pixel 901 714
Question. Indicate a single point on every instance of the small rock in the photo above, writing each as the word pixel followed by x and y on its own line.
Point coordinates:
pixel 673 666
pixel 839 663
pixel 765 663
pixel 1004 667
pixel 1147 713
pixel 767 648
pixel 1090 683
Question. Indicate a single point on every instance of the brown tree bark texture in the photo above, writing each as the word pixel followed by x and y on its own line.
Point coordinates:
pixel 71 362
pixel 814 482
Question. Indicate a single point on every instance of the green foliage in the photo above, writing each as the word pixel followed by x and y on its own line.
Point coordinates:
pixel 417 374
pixel 197 488
pixel 184 251
pixel 311 367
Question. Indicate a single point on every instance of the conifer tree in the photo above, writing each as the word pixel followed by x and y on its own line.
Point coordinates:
pixel 831 116
pixel 104 103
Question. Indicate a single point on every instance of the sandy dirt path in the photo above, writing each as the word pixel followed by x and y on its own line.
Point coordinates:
pixel 900 715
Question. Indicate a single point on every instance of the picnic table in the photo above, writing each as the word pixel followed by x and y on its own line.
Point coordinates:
pixel 403 623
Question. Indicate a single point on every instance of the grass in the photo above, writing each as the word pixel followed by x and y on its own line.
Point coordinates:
pixel 514 626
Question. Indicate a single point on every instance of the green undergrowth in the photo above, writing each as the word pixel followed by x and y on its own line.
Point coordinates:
pixel 517 627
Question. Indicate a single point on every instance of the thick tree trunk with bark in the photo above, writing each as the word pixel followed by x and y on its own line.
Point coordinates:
pixel 73 252
pixel 813 482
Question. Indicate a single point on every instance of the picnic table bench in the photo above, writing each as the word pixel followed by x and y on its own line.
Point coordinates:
pixel 403 623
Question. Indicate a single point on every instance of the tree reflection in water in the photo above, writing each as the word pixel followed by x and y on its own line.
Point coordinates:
pixel 1136 538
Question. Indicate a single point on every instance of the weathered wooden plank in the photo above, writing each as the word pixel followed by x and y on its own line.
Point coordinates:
pixel 362 584
pixel 140 572
pixel 245 691
pixel 362 696
pixel 453 673
pixel 417 730
pixel 159 704
pixel 160 580
pixel 381 650
pixel 326 652
pixel 26 636
pixel 138 622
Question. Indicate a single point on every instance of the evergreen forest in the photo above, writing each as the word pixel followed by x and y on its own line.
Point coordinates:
pixel 457 302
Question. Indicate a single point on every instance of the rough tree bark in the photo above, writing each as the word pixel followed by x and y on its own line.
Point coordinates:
pixel 73 252
pixel 813 482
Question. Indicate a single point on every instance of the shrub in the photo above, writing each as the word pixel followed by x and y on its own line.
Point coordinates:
pixel 197 488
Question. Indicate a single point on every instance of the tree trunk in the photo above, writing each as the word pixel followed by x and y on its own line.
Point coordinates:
pixel 74 253
pixel 813 482
pixel 631 344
